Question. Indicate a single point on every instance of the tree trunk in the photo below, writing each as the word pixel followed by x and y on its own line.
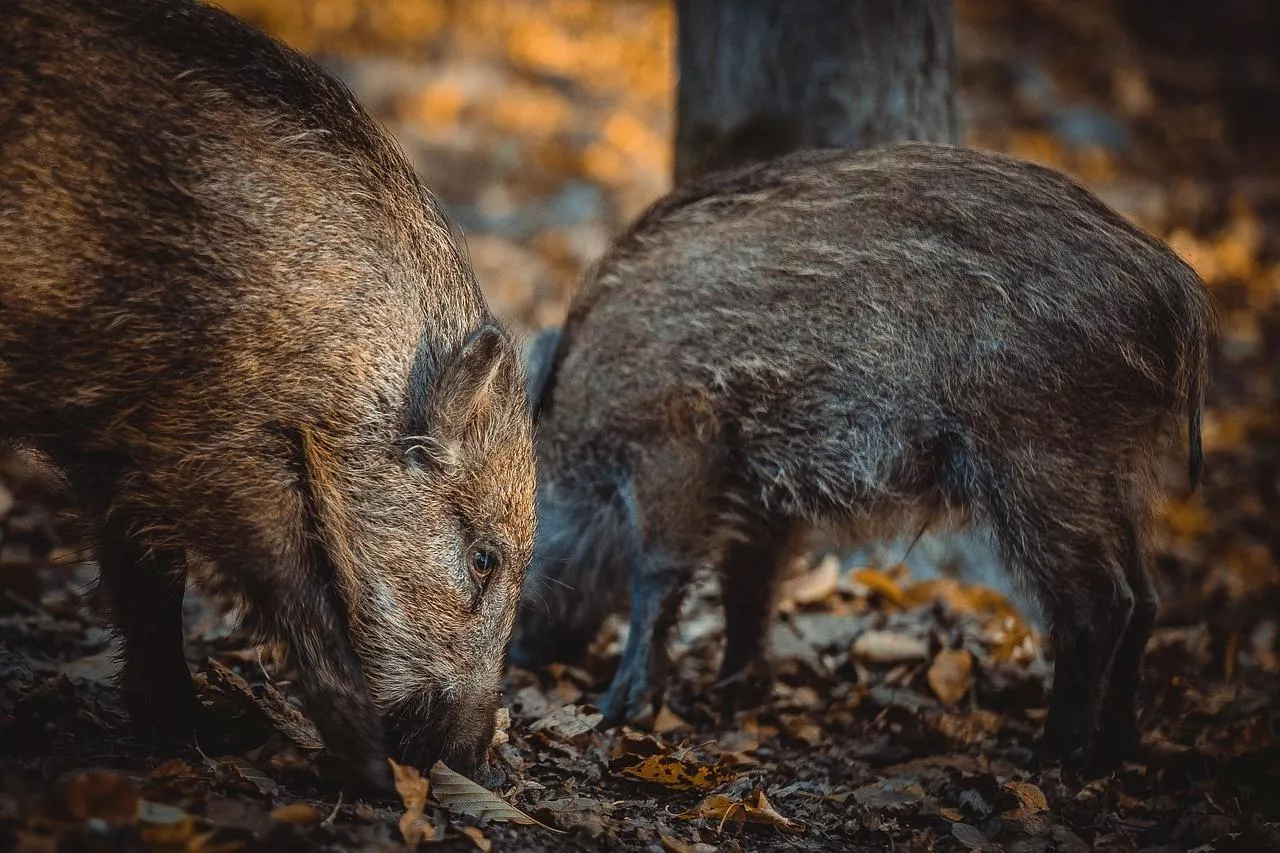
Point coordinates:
pixel 760 78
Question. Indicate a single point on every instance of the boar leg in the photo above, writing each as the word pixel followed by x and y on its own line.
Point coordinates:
pixel 1059 535
pixel 292 598
pixel 144 588
pixel 656 586
pixel 1118 736
pixel 748 585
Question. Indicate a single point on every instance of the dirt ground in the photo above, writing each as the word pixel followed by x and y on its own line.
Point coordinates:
pixel 905 706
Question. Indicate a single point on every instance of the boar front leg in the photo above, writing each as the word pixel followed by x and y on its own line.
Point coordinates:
pixel 293 600
pixel 671 511
pixel 144 588
pixel 657 582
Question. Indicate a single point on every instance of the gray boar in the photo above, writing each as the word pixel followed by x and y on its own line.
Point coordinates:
pixel 867 342
pixel 237 321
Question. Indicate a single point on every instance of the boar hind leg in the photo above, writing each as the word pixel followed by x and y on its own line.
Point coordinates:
pixel 748 585
pixel 144 589
pixel 1058 534
pixel 1118 736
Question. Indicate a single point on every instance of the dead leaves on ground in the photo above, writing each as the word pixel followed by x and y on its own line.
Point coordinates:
pixel 647 759
pixel 755 808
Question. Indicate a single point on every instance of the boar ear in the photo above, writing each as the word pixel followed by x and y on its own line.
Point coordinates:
pixel 472 385
pixel 539 361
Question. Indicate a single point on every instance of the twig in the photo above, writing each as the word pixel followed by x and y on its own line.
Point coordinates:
pixel 333 815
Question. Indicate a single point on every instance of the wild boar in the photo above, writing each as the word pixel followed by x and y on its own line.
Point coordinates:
pixel 867 342
pixel 237 321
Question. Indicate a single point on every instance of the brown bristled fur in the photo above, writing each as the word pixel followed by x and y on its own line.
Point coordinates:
pixel 235 318
pixel 862 341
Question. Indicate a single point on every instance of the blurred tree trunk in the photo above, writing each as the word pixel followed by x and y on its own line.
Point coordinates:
pixel 759 78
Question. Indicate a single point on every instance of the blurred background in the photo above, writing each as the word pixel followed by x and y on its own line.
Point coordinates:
pixel 546 125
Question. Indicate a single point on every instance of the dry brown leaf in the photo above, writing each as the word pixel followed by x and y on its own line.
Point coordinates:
pixel 972 837
pixel 477 838
pixel 172 768
pixel 287 719
pixel 803 729
pixel 950 675
pixel 235 772
pixel 814 586
pixel 755 808
pixel 953 815
pixel 647 759
pixel 669 721
pixel 889 647
pixel 570 723
pixel 881 584
pixel 296 813
pixel 1031 797
pixel 460 795
pixel 105 796
pixel 165 826
pixel 501 723
pixel 671 844
pixel 413 790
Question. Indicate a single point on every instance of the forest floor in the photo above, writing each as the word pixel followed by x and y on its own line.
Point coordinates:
pixel 905 706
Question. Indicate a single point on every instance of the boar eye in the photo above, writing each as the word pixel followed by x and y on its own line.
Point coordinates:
pixel 484 562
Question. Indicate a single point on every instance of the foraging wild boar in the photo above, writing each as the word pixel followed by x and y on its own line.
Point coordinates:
pixel 241 326
pixel 866 341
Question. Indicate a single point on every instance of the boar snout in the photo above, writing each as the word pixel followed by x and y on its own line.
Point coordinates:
pixel 457 732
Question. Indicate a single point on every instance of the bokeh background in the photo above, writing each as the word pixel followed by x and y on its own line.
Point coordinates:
pixel 546 125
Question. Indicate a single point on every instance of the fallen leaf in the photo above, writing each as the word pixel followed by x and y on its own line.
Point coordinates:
pixel 889 647
pixel 105 796
pixel 413 790
pixel 460 795
pixel 174 767
pixel 477 838
pixel 669 721
pixel 296 813
pixel 1031 797
pixel 953 815
pixel 501 722
pixel 99 669
pixel 287 719
pixel 649 760
pixel 575 814
pixel 816 585
pixel 880 583
pixel 671 844
pixel 235 772
pixel 803 729
pixel 971 837
pixel 165 826
pixel 569 723
pixel 754 808
pixel 950 674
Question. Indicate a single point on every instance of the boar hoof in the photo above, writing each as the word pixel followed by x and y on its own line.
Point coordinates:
pixel 1115 743
pixel 627 700
pixel 747 689
pixel 168 717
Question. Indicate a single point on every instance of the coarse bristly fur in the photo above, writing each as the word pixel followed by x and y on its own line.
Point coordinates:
pixel 862 341
pixel 235 318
